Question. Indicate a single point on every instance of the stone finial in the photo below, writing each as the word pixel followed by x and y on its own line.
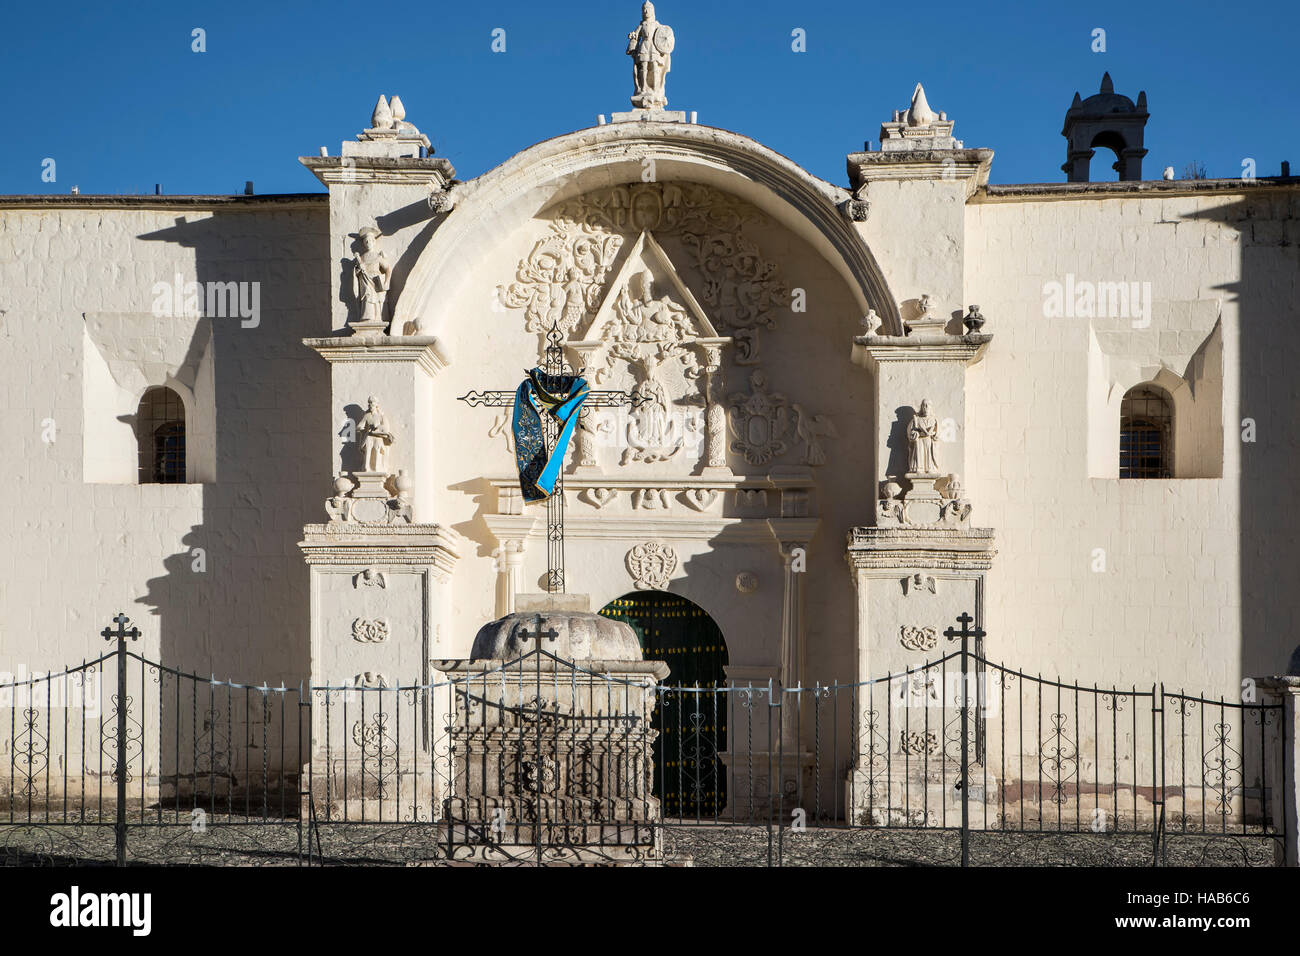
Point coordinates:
pixel 918 127
pixel 920 114
pixel 382 117
pixel 389 135
pixel 1107 85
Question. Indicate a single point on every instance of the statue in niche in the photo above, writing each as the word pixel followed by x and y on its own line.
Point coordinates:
pixel 651 46
pixel 375 438
pixel 922 436
pixel 371 275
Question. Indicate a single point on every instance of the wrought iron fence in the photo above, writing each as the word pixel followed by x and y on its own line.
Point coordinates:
pixel 960 760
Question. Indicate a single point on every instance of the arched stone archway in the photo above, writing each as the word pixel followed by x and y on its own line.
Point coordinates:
pixel 567 166
pixel 692 716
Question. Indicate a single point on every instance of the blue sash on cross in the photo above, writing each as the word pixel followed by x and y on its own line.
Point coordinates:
pixel 561 397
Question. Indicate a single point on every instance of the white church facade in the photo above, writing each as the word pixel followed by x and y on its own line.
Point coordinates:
pixel 854 411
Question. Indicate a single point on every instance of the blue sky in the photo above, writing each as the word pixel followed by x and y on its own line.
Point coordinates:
pixel 114 94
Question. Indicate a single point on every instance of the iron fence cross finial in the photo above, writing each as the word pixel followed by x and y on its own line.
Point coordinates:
pixel 121 634
pixel 965 620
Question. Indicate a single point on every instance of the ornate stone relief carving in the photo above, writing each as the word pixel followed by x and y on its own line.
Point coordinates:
pixel 811 429
pixel 365 499
pixel 701 499
pixel 918 638
pixel 746 582
pixel 760 421
pixel 739 286
pixel 892 507
pixel 561 279
pixel 918 742
pixel 651 498
pixel 919 582
pixel 369 578
pixel 751 498
pixel 746 346
pixel 651 565
pixel 371 679
pixel 366 631
pixel 956 506
pixel 599 497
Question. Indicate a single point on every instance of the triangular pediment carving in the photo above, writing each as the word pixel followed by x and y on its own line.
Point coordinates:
pixel 647 302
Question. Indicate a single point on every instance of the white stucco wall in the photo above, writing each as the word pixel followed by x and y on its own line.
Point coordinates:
pixel 1195 589
pixel 84 540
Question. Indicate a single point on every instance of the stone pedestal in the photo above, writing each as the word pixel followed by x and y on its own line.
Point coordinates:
pixel 551 742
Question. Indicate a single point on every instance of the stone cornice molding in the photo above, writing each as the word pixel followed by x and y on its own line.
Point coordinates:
pixel 373 170
pixel 969 166
pixel 424 350
pixel 888 549
pixel 871 350
pixel 720 530
pixel 382 545
pixel 580 481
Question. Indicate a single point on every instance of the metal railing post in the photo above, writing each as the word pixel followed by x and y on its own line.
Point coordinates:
pixel 120 635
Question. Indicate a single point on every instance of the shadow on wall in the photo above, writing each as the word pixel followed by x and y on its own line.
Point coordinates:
pixel 235 597
pixel 1268 227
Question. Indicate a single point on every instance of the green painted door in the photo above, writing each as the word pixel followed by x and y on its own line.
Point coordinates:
pixel 691 717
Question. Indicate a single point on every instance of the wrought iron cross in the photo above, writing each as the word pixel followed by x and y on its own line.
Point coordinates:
pixel 121 634
pixel 965 620
pixel 553 364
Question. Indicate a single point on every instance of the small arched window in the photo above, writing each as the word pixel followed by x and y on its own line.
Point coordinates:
pixel 1146 427
pixel 160 435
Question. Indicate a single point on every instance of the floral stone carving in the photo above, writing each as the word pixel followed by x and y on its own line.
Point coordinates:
pixel 918 638
pixel 369 631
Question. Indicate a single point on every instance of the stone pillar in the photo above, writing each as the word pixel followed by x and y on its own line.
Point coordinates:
pixel 1281 782
pixel 715 416
pixel 512 532
pixel 922 563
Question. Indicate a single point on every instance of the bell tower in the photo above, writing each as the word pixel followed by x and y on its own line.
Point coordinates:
pixel 1110 120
